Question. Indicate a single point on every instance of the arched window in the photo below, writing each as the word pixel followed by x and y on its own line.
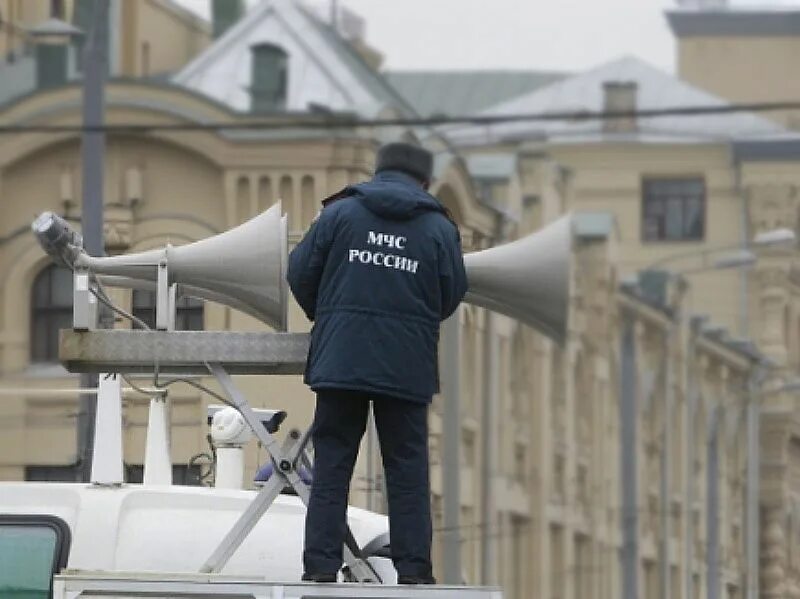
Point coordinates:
pixel 269 78
pixel 51 310
pixel 188 316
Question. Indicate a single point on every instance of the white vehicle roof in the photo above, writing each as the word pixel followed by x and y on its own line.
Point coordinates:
pixel 173 528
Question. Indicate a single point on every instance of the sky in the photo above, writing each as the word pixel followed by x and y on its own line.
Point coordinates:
pixel 553 35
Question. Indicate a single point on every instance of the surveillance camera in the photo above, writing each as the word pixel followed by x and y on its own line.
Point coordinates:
pixel 228 427
pixel 271 419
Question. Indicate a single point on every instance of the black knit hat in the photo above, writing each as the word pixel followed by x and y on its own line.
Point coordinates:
pixel 410 159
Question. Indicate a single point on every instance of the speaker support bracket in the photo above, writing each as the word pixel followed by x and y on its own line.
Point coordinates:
pixel 183 352
pixel 164 293
pixel 84 302
pixel 285 461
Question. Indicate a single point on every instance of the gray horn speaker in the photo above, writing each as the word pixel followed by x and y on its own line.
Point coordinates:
pixel 244 268
pixel 527 279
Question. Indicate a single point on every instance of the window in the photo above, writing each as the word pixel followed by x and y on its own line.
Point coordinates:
pixel 188 316
pixel 57 9
pixel 32 549
pixel 51 310
pixel 269 80
pixel 673 209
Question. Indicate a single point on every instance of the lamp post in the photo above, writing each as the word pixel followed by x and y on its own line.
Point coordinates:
pixel 92 150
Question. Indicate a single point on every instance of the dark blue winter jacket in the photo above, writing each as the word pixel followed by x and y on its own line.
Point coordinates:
pixel 377 273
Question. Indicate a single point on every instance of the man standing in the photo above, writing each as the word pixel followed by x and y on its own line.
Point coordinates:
pixel 376 273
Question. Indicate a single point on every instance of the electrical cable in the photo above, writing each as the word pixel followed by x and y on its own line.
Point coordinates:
pixel 102 296
pixel 345 121
pixel 196 385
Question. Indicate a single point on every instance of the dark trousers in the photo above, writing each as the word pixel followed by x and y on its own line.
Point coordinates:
pixel 339 423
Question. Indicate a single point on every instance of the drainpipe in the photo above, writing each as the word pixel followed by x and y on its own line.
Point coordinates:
pixel 712 506
pixel 753 424
pixel 696 323
pixel 666 461
pixel 628 456
pixel 489 418
pixel 744 299
pixel 451 448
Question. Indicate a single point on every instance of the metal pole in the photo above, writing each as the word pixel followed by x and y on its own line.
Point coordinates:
pixel 753 476
pixel 95 65
pixel 628 458
pixel 451 445
pixel 372 478
pixel 712 507
pixel 489 418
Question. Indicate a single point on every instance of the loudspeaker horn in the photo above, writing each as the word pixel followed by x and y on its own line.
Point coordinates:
pixel 244 268
pixel 527 279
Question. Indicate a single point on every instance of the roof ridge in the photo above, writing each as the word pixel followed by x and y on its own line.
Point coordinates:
pixel 510 71
pixel 627 58
pixel 334 37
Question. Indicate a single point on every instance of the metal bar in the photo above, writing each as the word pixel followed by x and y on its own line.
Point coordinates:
pixel 82 312
pixel 163 296
pixel 285 472
pixel 183 351
pixel 628 457
pixel 372 479
pixel 451 444
pixel 104 585
pixel 244 525
pixel 46 393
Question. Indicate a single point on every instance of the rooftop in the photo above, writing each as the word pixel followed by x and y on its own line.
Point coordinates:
pixel 584 92
pixel 326 70
pixel 465 92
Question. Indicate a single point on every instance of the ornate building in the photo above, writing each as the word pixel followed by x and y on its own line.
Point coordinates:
pixel 615 463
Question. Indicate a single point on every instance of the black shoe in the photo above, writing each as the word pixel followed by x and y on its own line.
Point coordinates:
pixel 416 580
pixel 318 577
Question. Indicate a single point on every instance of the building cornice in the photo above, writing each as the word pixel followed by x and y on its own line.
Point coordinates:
pixel 767 150
pixel 734 23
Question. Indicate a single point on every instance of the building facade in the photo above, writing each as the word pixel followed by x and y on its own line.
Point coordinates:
pixel 611 463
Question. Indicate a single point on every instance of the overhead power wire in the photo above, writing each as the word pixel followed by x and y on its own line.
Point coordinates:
pixel 347 121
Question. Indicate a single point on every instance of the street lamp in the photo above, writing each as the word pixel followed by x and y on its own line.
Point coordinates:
pixel 780 237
